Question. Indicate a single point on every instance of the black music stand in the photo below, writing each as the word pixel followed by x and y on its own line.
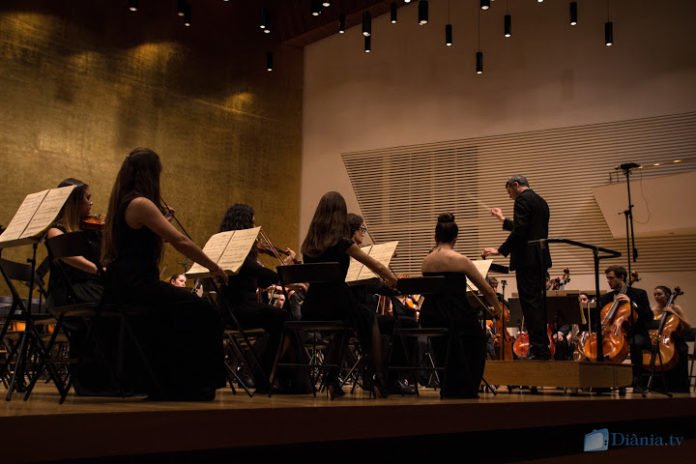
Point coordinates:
pixel 543 243
pixel 564 309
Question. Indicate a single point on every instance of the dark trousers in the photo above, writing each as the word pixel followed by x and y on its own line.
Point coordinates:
pixel 530 287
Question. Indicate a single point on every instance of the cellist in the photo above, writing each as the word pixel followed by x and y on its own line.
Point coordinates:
pixel 677 378
pixel 637 335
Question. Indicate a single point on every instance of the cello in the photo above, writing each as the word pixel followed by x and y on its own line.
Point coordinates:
pixel 616 318
pixel 662 337
pixel 521 345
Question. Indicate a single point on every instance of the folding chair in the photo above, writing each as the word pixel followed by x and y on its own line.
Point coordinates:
pixel 316 366
pixel 430 285
pixel 25 345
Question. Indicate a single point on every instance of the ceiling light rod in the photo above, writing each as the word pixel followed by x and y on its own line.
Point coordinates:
pixel 342 23
pixel 573 13
pixel 392 12
pixel 422 12
pixel 366 24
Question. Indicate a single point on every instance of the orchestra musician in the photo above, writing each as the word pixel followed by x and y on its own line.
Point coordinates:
pixel 328 240
pixel 181 333
pixel 241 293
pixel 530 222
pixel 468 349
pixel 677 378
pixel 82 271
pixel 178 280
pixel 637 334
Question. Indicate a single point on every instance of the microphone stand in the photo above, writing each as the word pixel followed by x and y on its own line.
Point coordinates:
pixel 631 250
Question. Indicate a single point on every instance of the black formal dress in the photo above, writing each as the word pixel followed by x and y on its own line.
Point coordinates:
pixel 530 222
pixel 336 301
pixel 181 333
pixel 637 335
pixel 241 294
pixel 466 340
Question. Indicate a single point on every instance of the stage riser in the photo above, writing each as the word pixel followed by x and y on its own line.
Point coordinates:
pixel 568 374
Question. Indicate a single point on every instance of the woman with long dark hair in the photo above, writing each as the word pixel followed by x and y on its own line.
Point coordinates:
pixel 466 337
pixel 81 270
pixel 328 240
pixel 241 293
pixel 182 333
pixel 677 379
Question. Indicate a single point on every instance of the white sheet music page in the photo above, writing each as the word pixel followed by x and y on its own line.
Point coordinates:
pixel 213 249
pixel 482 265
pixel 356 266
pixel 237 249
pixel 48 211
pixel 382 253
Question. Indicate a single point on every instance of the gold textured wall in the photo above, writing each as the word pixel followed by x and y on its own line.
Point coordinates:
pixel 83 82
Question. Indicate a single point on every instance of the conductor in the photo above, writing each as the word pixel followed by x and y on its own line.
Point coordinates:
pixel 530 222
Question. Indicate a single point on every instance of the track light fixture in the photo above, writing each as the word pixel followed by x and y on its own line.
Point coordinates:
pixel 342 23
pixel 133 5
pixel 609 33
pixel 507 25
pixel 485 4
pixel 479 62
pixel 366 24
pixel 180 7
pixel 422 12
pixel 269 61
pixel 368 44
pixel 573 13
pixel 392 10
pixel 448 35
pixel 316 7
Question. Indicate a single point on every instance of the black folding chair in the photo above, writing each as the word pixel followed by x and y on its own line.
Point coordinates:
pixel 317 366
pixel 430 285
pixel 21 360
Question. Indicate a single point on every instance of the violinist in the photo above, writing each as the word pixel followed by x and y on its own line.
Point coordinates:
pixel 181 333
pixel 241 293
pixel 467 357
pixel 178 280
pixel 677 378
pixel 81 270
pixel 637 335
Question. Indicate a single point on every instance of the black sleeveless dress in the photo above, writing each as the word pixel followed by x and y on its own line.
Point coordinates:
pixel 182 333
pixel 467 357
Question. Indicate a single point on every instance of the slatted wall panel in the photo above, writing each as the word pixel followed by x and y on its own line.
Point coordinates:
pixel 402 190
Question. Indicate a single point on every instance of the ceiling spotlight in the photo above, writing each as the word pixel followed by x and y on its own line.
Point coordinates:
pixel 479 62
pixel 133 5
pixel 507 25
pixel 326 3
pixel 407 1
pixel 265 19
pixel 366 24
pixel 392 15
pixel 485 4
pixel 368 44
pixel 187 15
pixel 422 12
pixel 316 7
pixel 540 1
pixel 342 23
pixel 180 7
pixel 448 35
pixel 609 33
pixel 573 13
pixel 269 61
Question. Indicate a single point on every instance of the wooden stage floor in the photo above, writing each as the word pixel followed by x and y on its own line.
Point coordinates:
pixel 548 425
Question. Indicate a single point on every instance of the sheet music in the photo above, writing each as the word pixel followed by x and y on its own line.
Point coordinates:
pixel 382 253
pixel 228 249
pixel 237 249
pixel 23 216
pixel 36 213
pixel 48 210
pixel 356 266
pixel 482 265
pixel 213 249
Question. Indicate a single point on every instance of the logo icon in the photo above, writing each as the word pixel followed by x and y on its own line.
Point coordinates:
pixel 597 440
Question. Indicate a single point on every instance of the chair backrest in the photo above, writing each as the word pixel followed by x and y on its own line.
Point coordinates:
pixel 67 245
pixel 314 273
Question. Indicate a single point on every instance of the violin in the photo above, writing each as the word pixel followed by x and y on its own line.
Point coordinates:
pixel 92 223
pixel 669 325
pixel 616 318
pixel 264 245
pixel 559 282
